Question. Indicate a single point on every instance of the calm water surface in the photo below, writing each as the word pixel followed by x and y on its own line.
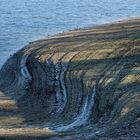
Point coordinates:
pixel 22 21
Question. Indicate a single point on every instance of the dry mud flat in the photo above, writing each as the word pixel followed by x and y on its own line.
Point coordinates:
pixel 83 84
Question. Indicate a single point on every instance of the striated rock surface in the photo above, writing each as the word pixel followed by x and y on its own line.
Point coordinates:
pixel 83 84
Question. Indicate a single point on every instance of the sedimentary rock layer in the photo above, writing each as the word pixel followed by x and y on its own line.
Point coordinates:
pixel 82 84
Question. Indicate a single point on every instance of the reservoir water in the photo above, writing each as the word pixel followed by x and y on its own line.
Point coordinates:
pixel 22 21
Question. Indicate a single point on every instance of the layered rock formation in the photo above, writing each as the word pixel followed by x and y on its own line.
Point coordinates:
pixel 83 84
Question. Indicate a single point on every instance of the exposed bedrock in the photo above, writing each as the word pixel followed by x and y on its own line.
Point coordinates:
pixel 79 84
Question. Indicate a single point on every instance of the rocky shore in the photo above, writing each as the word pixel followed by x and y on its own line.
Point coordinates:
pixel 82 84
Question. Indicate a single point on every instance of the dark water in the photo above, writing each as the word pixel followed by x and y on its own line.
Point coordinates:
pixel 22 21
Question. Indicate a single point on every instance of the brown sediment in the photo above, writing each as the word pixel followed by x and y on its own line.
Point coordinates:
pixel 82 84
